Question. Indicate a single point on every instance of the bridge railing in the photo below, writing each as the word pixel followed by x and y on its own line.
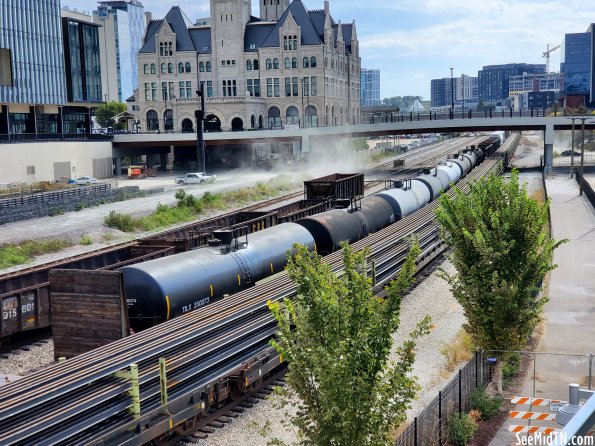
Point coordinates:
pixel 50 137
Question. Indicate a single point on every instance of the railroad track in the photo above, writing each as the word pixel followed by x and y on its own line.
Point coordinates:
pixel 30 286
pixel 84 400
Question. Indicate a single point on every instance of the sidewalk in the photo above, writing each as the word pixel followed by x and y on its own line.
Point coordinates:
pixel 570 312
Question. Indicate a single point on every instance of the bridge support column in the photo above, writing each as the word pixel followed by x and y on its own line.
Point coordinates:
pixel 305 147
pixel 548 148
pixel 163 161
pixel 118 164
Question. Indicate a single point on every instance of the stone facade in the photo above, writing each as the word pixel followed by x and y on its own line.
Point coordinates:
pixel 300 69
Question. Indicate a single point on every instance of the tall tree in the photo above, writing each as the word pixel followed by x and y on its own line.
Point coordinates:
pixel 501 250
pixel 106 112
pixel 336 336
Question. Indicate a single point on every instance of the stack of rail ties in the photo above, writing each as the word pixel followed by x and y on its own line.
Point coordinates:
pixel 81 401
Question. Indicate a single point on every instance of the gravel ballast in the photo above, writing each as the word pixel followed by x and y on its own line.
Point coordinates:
pixel 431 297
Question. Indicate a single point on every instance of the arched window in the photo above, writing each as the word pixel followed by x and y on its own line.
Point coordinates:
pixel 225 88
pixel 292 115
pixel 208 67
pixel 153 68
pixel 285 43
pixel 235 89
pixel 252 121
pixel 170 68
pixel 188 68
pixel 255 64
pixel 275 64
pixel 161 49
pixel 311 116
pixel 287 63
pixel 146 68
pixel 274 117
pixel 248 65
pixel 269 64
pixel 168 120
pixel 152 120
pixel 187 126
pixel 294 62
pixel 180 67
pixel 260 122
pixel 201 67
pixel 313 62
pixel 163 68
pixel 306 62
pixel 295 43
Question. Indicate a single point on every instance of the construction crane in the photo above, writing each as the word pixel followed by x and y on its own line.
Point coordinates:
pixel 546 54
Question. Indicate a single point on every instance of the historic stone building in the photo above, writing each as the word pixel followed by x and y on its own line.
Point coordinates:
pixel 291 66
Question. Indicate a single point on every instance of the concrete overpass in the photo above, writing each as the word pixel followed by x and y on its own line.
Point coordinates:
pixel 399 125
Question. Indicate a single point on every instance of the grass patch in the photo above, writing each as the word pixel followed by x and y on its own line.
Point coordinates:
pixel 189 207
pixel 85 240
pixel 12 255
pixel 461 349
pixel 538 195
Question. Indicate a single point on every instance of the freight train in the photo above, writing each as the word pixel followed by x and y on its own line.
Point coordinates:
pixel 161 289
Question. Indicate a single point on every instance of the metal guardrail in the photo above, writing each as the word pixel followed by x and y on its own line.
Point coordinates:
pixel 15 138
pixel 55 196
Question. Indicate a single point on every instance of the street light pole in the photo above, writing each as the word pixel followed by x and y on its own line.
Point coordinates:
pixel 200 118
pixel 452 93
pixel 572 149
pixel 582 153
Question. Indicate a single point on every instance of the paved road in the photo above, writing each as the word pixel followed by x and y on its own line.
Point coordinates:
pixel 75 224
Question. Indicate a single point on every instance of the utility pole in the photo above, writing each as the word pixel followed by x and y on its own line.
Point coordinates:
pixel 200 118
pixel 582 153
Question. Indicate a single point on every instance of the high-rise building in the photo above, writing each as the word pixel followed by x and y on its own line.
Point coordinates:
pixel 520 87
pixel 120 37
pixel 493 80
pixel 82 63
pixel 257 73
pixel 440 92
pixel 370 87
pixel 32 82
pixel 577 67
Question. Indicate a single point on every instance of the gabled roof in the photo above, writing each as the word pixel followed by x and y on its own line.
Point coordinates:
pixel 255 35
pixel 201 37
pixel 301 16
pixel 179 23
pixel 152 28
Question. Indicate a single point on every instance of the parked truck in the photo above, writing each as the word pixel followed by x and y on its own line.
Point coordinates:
pixel 194 178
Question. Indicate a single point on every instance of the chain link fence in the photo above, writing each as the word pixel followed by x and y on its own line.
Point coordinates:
pixel 547 376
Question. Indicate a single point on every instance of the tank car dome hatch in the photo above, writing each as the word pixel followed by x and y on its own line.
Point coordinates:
pixel 331 228
pixel 453 171
pixel 377 212
pixel 443 177
pixel 433 184
pixel 402 201
pixel 422 193
pixel 267 250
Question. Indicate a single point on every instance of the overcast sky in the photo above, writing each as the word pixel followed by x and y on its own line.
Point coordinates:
pixel 413 41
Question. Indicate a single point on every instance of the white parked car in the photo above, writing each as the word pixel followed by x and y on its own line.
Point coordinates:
pixel 85 181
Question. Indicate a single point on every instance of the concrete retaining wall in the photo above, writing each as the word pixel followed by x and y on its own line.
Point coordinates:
pixel 16 158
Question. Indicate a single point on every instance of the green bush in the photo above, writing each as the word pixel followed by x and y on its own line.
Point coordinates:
pixel 85 240
pixel 461 429
pixel 80 207
pixel 123 222
pixel 56 211
pixel 487 405
pixel 11 255
pixel 511 366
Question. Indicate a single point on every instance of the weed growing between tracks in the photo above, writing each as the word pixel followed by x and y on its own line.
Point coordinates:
pixel 12 255
pixel 189 207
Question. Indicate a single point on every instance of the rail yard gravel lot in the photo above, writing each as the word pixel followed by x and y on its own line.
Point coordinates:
pixel 431 297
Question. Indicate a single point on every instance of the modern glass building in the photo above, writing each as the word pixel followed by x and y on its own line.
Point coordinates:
pixel 577 67
pixel 370 87
pixel 493 80
pixel 32 82
pixel 121 37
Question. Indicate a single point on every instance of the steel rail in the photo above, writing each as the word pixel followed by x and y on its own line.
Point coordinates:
pixel 193 323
